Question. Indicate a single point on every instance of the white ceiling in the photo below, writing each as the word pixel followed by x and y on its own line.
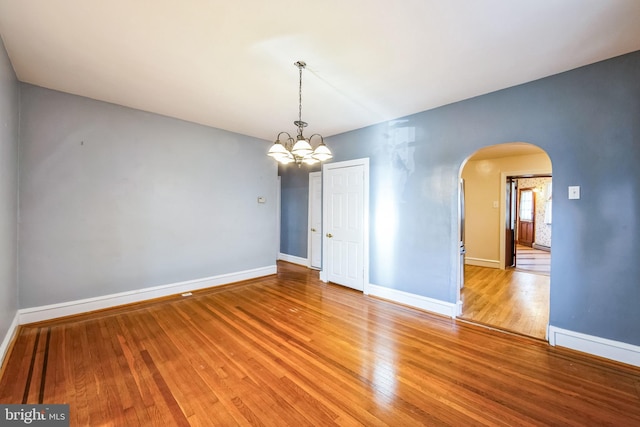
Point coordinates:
pixel 229 63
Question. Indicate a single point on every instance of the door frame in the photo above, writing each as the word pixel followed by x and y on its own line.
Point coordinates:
pixel 278 216
pixel 309 221
pixel 364 162
pixel 510 212
pixel 503 206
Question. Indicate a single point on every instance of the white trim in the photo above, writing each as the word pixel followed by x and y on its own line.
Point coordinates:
pixel 614 350
pixel 418 301
pixel 294 259
pixel 278 214
pixel 364 162
pixel 6 342
pixel 541 247
pixel 310 218
pixel 480 262
pixel 46 312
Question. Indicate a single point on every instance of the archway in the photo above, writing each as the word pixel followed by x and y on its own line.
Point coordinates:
pixel 491 291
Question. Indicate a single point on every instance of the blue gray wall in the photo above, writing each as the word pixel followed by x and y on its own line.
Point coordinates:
pixel 8 192
pixel 587 120
pixel 114 199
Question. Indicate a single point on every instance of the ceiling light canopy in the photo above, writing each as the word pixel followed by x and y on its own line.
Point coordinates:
pixel 299 150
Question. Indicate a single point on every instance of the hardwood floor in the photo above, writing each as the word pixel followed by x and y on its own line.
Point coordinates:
pixel 512 300
pixel 290 350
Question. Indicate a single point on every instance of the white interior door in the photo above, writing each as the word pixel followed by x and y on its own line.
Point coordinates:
pixel 344 189
pixel 315 220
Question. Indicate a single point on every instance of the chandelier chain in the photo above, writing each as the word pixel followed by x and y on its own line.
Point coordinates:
pixel 300 96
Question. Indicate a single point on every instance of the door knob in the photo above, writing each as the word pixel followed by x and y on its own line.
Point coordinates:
pixel 313 230
pixel 329 235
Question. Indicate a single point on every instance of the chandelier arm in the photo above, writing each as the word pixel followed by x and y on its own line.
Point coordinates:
pixel 290 142
pixel 317 134
pixel 287 133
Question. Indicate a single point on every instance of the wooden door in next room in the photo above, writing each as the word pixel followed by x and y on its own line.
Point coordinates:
pixel 526 217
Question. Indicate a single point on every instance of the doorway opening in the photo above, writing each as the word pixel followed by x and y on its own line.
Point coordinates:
pixel 528 223
pixel 506 238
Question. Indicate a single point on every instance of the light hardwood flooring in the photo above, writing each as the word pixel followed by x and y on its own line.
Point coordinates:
pixel 290 350
pixel 512 300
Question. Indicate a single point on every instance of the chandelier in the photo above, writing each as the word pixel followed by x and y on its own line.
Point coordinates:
pixel 299 150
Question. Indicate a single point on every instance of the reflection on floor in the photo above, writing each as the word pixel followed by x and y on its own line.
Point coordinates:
pixel 530 259
pixel 511 300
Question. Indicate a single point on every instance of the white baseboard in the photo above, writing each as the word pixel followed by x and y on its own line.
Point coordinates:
pixel 541 247
pixel 47 312
pixel 480 262
pixel 444 308
pixel 6 342
pixel 614 350
pixel 294 259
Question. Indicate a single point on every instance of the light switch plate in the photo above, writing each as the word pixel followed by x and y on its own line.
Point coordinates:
pixel 574 192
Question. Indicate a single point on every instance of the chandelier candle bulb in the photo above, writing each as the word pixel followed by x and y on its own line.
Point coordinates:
pixel 299 150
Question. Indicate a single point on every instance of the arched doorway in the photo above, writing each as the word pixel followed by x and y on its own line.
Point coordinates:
pixel 493 290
